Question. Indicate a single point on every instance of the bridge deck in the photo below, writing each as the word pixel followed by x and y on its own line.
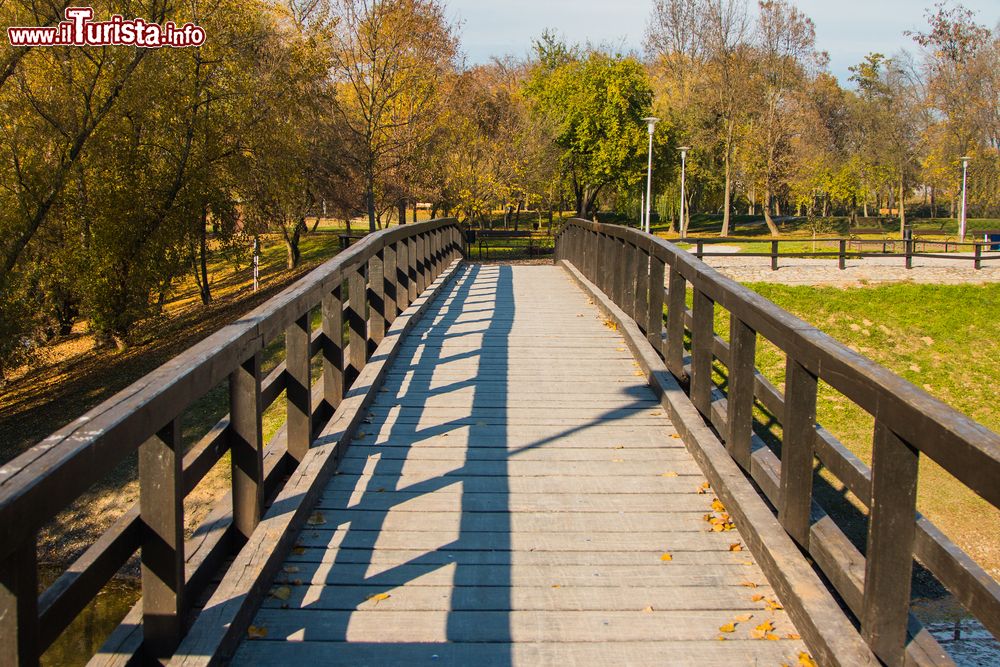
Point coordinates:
pixel 511 501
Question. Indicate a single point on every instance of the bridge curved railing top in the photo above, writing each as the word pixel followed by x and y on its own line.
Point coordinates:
pixel 365 286
pixel 631 268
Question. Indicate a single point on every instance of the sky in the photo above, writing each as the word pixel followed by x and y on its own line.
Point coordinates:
pixel 845 29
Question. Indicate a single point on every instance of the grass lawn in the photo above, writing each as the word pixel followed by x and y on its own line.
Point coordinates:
pixel 943 338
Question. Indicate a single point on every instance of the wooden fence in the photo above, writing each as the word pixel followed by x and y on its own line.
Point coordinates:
pixel 854 248
pixel 363 288
pixel 632 267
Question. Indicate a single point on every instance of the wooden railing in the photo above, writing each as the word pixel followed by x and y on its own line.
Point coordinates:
pixel 631 268
pixel 364 288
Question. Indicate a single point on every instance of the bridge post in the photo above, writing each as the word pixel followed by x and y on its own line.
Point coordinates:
pixel 19 606
pixel 676 308
pixel 246 446
pixel 629 268
pixel 641 290
pixel 299 388
pixel 774 255
pixel 702 337
pixel 654 305
pixel 376 302
pixel 798 425
pixel 390 285
pixel 421 258
pixel 403 275
pixel 161 499
pixel 333 346
pixel 889 556
pixel 411 270
pixel 978 263
pixel 619 270
pixel 357 326
pixel 740 398
pixel 842 254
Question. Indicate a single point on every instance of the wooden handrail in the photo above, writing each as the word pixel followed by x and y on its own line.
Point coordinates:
pixel 384 273
pixel 623 262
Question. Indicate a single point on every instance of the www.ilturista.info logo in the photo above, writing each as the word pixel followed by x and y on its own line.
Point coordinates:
pixel 80 30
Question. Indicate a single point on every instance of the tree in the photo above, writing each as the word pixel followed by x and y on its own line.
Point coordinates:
pixel 596 103
pixel 389 59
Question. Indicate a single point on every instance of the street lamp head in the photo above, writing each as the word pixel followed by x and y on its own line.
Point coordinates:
pixel 651 123
pixel 684 149
pixel 965 159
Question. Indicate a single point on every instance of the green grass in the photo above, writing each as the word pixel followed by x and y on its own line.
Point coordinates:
pixel 943 338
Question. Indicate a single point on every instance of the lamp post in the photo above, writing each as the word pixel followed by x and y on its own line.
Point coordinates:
pixel 965 173
pixel 651 124
pixel 683 150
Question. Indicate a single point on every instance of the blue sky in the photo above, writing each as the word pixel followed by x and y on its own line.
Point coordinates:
pixel 846 29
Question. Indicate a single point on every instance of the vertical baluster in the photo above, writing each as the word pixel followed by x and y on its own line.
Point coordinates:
pixel 357 323
pixel 161 499
pixel 390 283
pixel 421 263
pixel 676 307
pixel 246 445
pixel 333 346
pixel 403 274
pixel 739 401
pixel 298 403
pixel 797 443
pixel 654 306
pixel 411 269
pixel 702 338
pixel 889 555
pixel 619 271
pixel 19 606
pixel 376 302
pixel 641 289
pixel 628 271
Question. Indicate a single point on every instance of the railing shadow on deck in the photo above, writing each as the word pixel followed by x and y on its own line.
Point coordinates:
pixel 364 288
pixel 631 268
pixel 481 582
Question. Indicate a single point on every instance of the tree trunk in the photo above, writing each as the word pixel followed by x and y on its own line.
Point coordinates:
pixel 204 288
pixel 517 214
pixel 767 213
pixel 414 210
pixel 401 211
pixel 902 207
pixel 292 244
pixel 370 203
pixel 933 202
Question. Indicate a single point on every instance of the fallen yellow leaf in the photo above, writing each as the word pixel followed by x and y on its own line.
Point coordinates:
pixel 743 618
pixel 757 634
pixel 556 586
pixel 669 474
pixel 728 627
pixel 736 546
pixel 793 635
pixel 290 569
pixel 317 519
pixel 378 597
pixel 766 626
pixel 675 436
pixel 298 551
pixel 805 660
pixel 619 447
pixel 757 598
pixel 666 557
pixel 256 632
pixel 718 506
pixel 773 605
pixel 771 637
pixel 648 610
pixel 282 593
pixel 748 584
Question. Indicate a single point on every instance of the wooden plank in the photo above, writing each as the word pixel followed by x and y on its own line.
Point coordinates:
pixel 676 307
pixel 246 446
pixel 376 302
pixel 611 465
pixel 19 607
pixel 357 324
pixel 390 284
pixel 889 555
pixel 740 395
pixel 298 403
pixel 333 347
pixel 161 497
pixel 701 351
pixel 797 457
pixel 415 501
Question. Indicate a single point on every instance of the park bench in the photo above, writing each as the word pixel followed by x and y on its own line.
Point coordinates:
pixel 347 239
pixel 483 238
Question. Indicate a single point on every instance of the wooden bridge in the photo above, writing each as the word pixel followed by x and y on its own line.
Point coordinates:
pixel 505 464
